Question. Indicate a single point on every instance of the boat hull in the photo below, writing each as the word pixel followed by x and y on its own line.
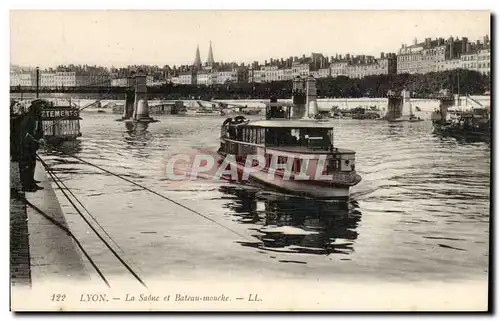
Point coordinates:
pixel 303 188
pixel 456 132
pixel 310 188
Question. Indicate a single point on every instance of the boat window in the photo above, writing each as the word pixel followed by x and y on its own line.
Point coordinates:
pixel 255 135
pixel 305 137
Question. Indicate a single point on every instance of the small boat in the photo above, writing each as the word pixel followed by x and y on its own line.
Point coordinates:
pixel 202 112
pixel 474 124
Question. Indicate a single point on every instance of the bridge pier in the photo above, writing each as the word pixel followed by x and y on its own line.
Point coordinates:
pixel 394 106
pixel 136 101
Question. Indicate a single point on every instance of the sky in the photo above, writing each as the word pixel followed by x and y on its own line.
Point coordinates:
pixel 118 38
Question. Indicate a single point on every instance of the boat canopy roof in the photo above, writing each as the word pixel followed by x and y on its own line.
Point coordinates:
pixel 305 123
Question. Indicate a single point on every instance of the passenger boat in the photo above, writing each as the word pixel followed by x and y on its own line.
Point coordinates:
pixel 196 108
pixel 298 150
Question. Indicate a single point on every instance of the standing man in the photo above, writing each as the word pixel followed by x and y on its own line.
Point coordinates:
pixel 32 132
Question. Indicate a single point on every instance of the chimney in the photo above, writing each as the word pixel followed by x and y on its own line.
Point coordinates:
pixel 381 55
pixel 465 41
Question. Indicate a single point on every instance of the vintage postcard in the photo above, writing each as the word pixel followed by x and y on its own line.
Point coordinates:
pixel 250 160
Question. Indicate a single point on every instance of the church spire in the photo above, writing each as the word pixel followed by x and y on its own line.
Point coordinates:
pixel 210 60
pixel 197 59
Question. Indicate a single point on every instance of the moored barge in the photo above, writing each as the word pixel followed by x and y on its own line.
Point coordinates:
pixel 60 122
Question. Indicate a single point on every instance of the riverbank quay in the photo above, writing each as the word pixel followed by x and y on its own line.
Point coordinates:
pixel 41 250
pixel 20 271
pixel 54 254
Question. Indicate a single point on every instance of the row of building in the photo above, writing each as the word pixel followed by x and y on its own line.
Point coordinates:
pixel 424 57
pixel 69 79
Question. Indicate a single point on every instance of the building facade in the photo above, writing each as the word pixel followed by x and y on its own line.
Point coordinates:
pixel 206 78
pixel 440 55
pixel 484 61
pixel 187 78
pixel 22 79
pixel 119 82
pixel 338 68
pixel 226 76
pixel 48 80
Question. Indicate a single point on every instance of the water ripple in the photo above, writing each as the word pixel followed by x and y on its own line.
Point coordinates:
pixel 422 207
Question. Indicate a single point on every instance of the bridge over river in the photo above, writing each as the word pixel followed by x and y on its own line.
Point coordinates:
pixel 324 104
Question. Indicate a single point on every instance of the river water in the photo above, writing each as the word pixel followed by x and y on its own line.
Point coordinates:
pixel 421 211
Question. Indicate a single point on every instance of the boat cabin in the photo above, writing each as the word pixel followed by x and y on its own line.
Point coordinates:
pixel 287 135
